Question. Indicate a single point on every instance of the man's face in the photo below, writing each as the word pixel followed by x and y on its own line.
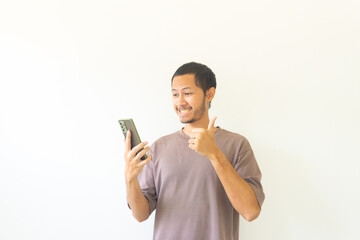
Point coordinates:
pixel 189 101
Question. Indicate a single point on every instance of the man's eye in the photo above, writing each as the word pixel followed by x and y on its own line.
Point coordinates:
pixel 175 94
pixel 188 93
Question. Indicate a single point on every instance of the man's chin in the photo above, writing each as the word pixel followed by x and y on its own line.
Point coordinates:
pixel 185 121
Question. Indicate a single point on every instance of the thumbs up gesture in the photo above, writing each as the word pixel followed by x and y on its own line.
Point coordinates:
pixel 202 140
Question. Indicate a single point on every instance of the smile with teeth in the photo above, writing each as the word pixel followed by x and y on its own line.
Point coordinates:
pixel 184 111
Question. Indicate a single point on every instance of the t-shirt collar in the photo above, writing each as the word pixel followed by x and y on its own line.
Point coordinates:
pixel 181 132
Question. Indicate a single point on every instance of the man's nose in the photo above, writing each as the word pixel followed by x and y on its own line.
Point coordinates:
pixel 181 100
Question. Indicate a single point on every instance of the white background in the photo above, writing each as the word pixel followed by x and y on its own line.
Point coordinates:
pixel 288 79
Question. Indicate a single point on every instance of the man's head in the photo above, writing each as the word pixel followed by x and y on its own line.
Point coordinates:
pixel 204 76
pixel 193 88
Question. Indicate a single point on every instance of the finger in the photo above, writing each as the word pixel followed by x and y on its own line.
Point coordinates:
pixel 212 123
pixel 198 130
pixel 146 161
pixel 142 153
pixel 195 135
pixel 193 147
pixel 138 147
pixel 193 141
pixel 128 141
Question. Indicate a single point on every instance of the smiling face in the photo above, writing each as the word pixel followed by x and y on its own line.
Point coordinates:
pixel 189 100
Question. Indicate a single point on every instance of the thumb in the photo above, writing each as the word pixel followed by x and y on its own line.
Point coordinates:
pixel 212 123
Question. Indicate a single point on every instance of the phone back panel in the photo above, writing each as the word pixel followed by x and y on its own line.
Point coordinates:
pixel 128 124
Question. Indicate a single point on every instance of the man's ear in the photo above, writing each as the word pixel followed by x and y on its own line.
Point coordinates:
pixel 210 93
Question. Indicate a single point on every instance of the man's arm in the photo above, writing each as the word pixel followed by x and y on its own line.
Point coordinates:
pixel 138 204
pixel 239 192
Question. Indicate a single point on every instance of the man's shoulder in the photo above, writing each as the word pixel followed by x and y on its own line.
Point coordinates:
pixel 227 136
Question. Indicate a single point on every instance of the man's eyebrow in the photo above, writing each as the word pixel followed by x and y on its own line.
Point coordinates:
pixel 185 88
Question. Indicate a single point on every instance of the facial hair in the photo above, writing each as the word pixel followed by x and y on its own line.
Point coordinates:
pixel 198 113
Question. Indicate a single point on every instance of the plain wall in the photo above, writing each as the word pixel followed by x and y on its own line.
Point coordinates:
pixel 288 79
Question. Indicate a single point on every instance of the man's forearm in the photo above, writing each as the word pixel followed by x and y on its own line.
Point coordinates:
pixel 239 192
pixel 138 203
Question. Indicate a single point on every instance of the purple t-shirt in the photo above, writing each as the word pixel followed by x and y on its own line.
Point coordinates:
pixel 183 187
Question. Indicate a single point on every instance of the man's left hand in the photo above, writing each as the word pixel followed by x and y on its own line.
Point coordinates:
pixel 202 140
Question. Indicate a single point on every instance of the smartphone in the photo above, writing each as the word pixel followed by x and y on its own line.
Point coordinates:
pixel 128 124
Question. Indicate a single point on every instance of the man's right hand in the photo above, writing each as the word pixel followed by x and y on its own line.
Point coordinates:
pixel 133 163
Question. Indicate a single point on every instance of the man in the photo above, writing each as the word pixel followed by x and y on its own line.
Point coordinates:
pixel 198 179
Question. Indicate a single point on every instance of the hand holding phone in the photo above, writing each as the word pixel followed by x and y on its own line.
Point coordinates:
pixel 128 124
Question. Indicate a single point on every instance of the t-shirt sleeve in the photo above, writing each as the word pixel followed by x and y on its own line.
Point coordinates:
pixel 249 170
pixel 147 184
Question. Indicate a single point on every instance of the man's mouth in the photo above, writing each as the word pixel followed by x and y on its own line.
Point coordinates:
pixel 184 110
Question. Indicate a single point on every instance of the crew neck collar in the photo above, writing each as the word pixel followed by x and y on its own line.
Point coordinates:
pixel 181 132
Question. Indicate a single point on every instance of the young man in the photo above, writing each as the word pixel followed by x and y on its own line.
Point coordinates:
pixel 200 178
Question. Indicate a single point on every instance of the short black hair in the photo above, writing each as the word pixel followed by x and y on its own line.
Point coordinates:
pixel 204 76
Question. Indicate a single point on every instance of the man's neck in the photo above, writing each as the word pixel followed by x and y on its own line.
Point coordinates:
pixel 201 123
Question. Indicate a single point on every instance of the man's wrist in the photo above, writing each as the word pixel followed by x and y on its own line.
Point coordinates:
pixel 130 180
pixel 215 156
